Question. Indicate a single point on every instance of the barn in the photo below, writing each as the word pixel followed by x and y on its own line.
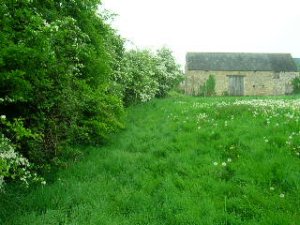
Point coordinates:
pixel 240 73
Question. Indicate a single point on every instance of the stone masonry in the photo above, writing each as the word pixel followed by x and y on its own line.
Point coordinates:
pixel 255 82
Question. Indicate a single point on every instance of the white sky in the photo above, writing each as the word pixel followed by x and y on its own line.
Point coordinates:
pixel 209 25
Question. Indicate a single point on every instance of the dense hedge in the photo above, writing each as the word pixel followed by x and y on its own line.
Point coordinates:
pixel 146 75
pixel 64 78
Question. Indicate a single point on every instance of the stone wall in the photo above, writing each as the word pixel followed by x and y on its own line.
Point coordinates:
pixel 255 82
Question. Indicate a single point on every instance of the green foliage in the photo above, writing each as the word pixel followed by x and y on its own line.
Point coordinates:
pixel 138 76
pixel 14 166
pixel 64 76
pixel 208 88
pixel 169 73
pixel 182 160
pixel 58 60
pixel 296 85
pixel 146 75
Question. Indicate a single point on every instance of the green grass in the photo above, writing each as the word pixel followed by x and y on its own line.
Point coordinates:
pixel 160 170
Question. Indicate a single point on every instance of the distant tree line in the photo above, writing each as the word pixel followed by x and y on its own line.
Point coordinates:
pixel 65 79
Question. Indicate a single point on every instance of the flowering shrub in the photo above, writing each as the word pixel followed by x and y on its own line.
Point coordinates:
pixel 169 74
pixel 57 62
pixel 12 164
pixel 146 75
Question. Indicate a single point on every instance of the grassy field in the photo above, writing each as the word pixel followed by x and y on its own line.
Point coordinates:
pixel 181 160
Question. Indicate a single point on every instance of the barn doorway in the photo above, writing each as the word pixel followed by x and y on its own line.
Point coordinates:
pixel 236 85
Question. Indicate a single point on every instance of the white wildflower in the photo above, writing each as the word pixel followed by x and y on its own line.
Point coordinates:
pixel 215 163
pixel 224 164
pixel 266 140
pixel 281 195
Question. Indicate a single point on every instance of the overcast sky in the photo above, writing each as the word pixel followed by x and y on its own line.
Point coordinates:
pixel 209 25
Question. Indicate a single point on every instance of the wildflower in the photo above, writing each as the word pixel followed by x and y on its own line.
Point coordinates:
pixel 3 117
pixel 229 160
pixel 281 195
pixel 224 164
pixel 215 163
pixel 43 182
pixel 272 188
pixel 266 140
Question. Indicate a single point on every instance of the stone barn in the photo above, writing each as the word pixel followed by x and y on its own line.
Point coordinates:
pixel 240 73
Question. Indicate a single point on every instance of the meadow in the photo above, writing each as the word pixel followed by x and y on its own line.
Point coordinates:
pixel 180 160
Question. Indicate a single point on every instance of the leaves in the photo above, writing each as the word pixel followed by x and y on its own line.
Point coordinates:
pixel 146 75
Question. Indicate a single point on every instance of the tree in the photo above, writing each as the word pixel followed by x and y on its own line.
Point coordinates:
pixel 170 74
pixel 146 75
pixel 58 60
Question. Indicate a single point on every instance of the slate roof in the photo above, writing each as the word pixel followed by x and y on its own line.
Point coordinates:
pixel 214 61
pixel 297 61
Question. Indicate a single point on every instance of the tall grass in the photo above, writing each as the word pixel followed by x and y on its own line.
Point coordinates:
pixel 181 160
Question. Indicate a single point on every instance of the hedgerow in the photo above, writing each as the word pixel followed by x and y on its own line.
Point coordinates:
pixel 65 78
pixel 147 75
pixel 56 69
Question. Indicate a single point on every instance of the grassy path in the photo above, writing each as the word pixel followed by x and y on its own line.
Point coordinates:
pixel 182 161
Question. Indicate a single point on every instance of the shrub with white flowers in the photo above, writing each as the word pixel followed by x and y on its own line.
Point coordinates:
pixel 14 166
pixel 146 75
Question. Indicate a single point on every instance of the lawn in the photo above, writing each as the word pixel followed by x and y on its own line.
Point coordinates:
pixel 180 160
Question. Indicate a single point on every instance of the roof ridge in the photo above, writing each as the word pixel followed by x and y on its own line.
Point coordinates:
pixel 240 61
pixel 260 53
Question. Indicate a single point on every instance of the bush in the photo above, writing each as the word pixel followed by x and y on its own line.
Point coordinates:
pixel 57 66
pixel 13 165
pixel 169 74
pixel 208 89
pixel 146 75
pixel 296 85
pixel 64 76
